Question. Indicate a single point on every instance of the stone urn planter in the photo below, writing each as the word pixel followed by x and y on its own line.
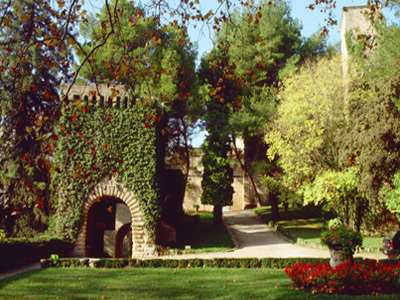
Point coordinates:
pixel 342 241
pixel 337 255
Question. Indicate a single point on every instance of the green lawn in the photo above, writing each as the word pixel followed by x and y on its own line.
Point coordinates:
pixel 306 224
pixel 120 284
pixel 204 236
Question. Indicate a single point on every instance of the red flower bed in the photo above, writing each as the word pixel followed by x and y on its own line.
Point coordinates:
pixel 370 277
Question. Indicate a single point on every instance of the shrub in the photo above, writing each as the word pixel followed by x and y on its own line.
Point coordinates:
pixel 20 251
pixel 368 277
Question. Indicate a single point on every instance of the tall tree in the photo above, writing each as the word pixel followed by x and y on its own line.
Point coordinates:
pixel 305 135
pixel 373 139
pixel 35 53
pixel 244 65
pixel 217 172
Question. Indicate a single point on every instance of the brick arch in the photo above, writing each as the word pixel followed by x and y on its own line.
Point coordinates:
pixel 141 244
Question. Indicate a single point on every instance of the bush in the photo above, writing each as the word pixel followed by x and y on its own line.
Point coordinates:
pixel 64 263
pixel 19 251
pixel 367 277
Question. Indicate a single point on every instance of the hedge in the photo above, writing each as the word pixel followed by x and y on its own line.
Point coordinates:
pixel 272 263
pixel 18 252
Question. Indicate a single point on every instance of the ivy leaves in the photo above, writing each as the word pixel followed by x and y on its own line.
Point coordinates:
pixel 100 143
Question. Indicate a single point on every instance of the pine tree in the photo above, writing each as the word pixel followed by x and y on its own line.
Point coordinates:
pixel 217 174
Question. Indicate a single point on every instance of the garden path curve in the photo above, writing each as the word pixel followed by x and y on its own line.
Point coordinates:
pixel 253 238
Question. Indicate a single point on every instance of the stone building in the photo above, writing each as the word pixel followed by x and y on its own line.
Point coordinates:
pixel 354 18
pixel 243 194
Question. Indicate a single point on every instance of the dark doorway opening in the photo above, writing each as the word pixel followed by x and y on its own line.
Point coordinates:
pixel 101 227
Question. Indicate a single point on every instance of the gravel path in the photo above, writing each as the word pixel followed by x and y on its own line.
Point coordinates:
pixel 253 238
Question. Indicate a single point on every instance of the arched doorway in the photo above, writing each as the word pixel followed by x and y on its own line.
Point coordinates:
pixel 123 242
pixel 105 219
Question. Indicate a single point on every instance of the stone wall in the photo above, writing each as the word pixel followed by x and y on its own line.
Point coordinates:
pixel 243 193
pixel 353 18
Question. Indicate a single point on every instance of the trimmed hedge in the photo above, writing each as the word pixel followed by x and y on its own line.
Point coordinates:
pixel 272 263
pixel 18 252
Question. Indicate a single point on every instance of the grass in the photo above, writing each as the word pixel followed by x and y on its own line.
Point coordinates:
pixel 373 242
pixel 121 284
pixel 203 237
pixel 306 224
pixel 307 229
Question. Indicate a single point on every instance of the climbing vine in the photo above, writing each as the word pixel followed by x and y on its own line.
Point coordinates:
pixel 93 142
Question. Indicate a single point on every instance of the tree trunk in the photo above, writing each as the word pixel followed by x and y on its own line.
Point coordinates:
pixel 273 199
pixel 346 211
pixel 244 170
pixel 217 214
pixel 187 155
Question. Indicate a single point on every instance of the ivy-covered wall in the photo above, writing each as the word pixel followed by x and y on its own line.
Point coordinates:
pixel 93 142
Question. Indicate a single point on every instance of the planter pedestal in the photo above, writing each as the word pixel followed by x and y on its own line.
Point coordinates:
pixel 337 257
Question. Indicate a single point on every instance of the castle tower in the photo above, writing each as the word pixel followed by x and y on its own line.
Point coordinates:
pixel 108 161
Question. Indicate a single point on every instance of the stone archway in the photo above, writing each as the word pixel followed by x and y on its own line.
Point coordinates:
pixel 142 246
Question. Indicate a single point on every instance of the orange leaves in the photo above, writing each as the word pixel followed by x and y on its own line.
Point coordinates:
pixel 47 95
pixel 6 22
pixel 151 119
pixel 107 65
pixel 60 3
pixel 261 64
pixel 25 157
pixel 85 109
pixel 74 117
pixel 106 147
